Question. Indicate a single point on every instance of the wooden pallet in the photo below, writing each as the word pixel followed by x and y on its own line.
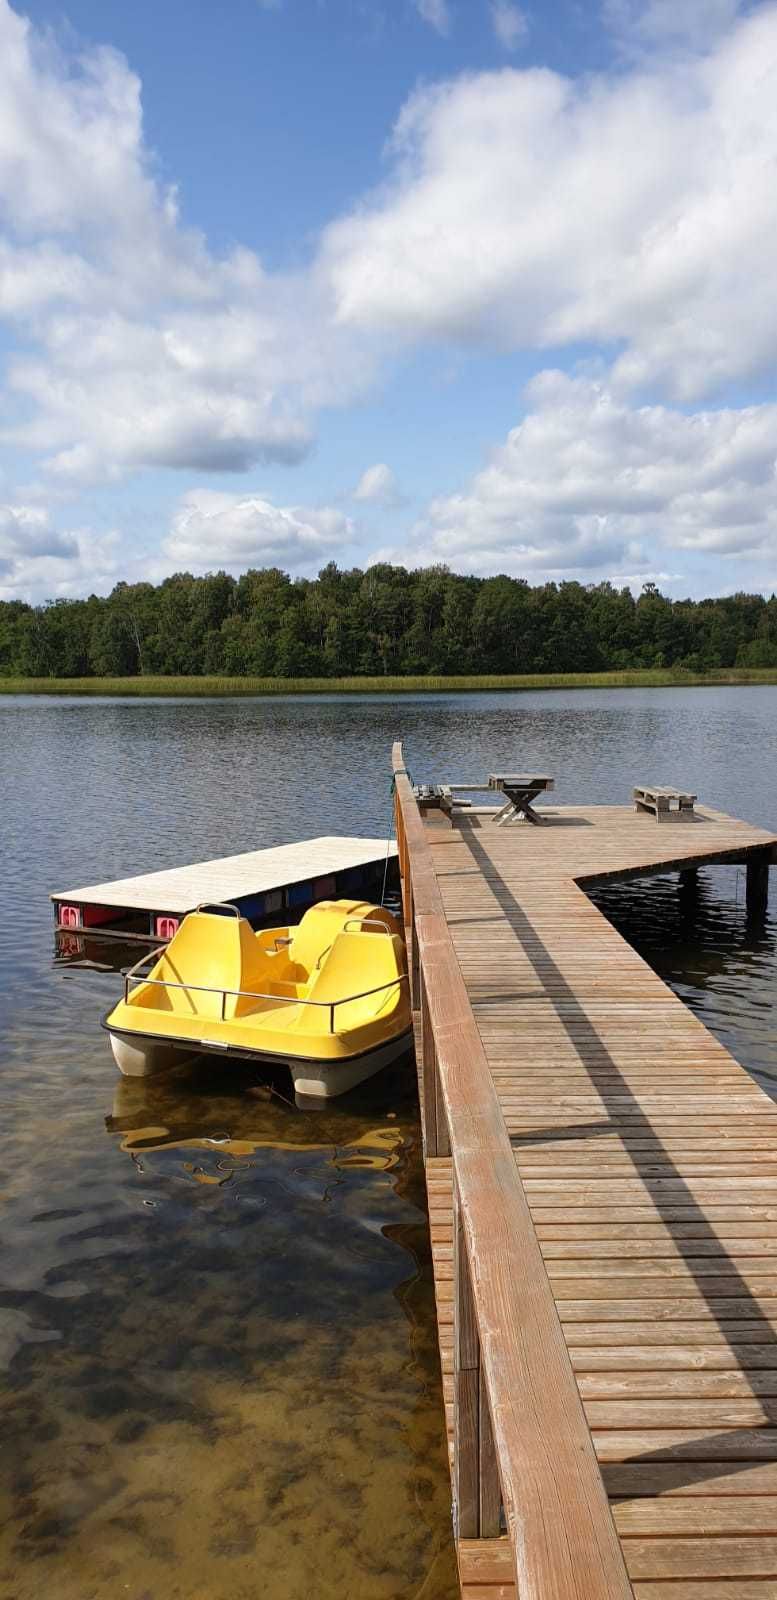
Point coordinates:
pixel 663 802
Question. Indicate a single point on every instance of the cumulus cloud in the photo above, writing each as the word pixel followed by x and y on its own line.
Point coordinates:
pixel 148 350
pixel 379 485
pixel 436 13
pixel 39 563
pixel 509 22
pixel 587 484
pixel 211 529
pixel 637 211
pixel 110 393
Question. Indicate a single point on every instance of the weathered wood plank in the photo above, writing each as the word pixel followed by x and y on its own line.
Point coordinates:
pixel 697 1515
pixel 700 1443
pixel 695 1589
pixel 678 1479
pixel 721 1557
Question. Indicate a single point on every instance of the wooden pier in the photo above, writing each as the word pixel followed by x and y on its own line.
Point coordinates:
pixel 602 1180
pixel 261 883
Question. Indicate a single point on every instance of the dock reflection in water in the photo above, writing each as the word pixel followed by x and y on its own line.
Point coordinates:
pixel 209 1397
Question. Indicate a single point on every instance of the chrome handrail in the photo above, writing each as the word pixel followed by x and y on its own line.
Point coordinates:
pixel 367 922
pixel 253 994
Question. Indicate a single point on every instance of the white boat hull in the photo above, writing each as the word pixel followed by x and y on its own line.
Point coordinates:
pixel 313 1081
pixel 324 1080
pixel 144 1058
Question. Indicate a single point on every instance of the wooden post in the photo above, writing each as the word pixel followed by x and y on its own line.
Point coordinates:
pixel 757 883
pixel 413 966
pixel 441 1121
pixel 437 1142
pixel 428 1076
pixel 490 1494
pixel 476 1494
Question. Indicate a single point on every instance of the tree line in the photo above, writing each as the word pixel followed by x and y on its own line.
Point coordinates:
pixel 385 620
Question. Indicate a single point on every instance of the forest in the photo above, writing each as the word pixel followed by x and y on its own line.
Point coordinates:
pixel 382 621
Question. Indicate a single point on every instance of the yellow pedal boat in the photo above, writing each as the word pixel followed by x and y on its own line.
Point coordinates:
pixel 328 998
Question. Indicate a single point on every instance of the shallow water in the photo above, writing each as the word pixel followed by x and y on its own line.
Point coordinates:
pixel 216 1318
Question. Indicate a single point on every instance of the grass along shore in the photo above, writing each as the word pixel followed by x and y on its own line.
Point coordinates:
pixel 632 678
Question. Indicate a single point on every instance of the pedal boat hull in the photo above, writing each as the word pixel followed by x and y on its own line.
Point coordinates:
pixel 342 1020
pixel 143 1056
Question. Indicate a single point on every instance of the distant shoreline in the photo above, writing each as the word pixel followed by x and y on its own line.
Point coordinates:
pixel 222 687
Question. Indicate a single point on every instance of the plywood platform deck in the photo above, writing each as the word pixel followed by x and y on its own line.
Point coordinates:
pixel 648 1156
pixel 180 889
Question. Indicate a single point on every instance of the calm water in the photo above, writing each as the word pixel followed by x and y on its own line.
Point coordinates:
pixel 216 1321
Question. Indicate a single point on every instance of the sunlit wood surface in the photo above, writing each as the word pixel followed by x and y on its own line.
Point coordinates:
pixel 648 1156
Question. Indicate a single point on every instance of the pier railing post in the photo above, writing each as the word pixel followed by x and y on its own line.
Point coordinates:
pixel 477 1500
pixel 414 964
pixel 436 1139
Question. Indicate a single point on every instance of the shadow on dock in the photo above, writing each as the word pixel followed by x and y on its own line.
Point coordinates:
pixel 740 1447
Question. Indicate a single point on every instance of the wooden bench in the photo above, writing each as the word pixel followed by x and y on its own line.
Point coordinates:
pixel 662 802
pixel 439 797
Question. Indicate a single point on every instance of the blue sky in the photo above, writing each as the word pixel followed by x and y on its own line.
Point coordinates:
pixel 419 280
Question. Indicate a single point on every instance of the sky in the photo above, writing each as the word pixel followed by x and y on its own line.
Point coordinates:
pixel 294 281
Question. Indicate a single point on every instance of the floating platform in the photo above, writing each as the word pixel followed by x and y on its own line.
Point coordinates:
pixel 261 883
pixel 602 1181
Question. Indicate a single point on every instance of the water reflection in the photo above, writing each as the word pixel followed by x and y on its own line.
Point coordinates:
pixel 225 1113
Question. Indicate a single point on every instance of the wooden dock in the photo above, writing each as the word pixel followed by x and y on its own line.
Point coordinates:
pixel 260 882
pixel 602 1180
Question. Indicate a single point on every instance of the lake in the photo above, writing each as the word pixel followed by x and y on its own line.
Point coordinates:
pixel 216 1311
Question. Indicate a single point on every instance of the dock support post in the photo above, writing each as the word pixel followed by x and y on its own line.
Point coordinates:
pixel 435 1121
pixel 477 1500
pixel 757 883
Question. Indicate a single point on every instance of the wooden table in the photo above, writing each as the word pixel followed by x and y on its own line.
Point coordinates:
pixel 521 788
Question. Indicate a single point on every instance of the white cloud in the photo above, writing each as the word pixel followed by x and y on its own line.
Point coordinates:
pixel 588 485
pixel 638 210
pixel 110 392
pixel 145 348
pixel 39 563
pixel 644 25
pixel 379 485
pixel 509 22
pixel 211 530
pixel 436 13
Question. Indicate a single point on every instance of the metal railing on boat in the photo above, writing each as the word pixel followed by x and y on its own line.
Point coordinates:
pixel 134 975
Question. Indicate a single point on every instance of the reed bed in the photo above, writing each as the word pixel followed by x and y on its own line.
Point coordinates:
pixel 636 678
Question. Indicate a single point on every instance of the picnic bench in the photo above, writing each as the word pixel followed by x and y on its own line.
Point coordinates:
pixel 439 797
pixel 520 790
pixel 663 802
